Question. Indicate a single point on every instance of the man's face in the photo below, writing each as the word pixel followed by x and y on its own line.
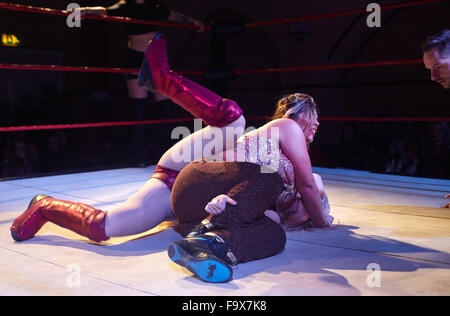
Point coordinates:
pixel 438 66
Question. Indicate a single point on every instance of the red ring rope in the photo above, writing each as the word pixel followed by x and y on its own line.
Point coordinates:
pixel 18 7
pixel 31 9
pixel 340 13
pixel 23 8
pixel 327 67
pixel 85 69
pixel 151 122
pixel 199 73
pixel 86 125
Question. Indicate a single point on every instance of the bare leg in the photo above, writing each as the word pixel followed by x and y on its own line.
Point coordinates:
pixel 144 210
pixel 149 206
pixel 135 91
pixel 195 145
pixel 159 97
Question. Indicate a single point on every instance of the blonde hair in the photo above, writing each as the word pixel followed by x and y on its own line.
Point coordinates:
pixel 292 105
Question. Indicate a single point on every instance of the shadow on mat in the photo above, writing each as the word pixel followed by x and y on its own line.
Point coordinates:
pixel 314 252
pixel 317 252
pixel 152 241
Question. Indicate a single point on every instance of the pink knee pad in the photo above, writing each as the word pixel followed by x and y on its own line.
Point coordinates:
pixel 166 175
pixel 227 112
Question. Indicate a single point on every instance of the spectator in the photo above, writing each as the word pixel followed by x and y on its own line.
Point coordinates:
pixel 15 159
pixel 404 159
pixel 436 151
pixel 348 151
pixel 410 160
pixel 436 57
pixel 28 113
pixel 52 105
pixel 54 154
pixel 396 151
pixel 4 141
pixel 138 37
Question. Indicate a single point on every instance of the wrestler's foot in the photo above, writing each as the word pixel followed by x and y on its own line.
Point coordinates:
pixel 200 255
pixel 145 79
pixel 29 222
pixel 202 228
pixel 78 217
pixel 155 74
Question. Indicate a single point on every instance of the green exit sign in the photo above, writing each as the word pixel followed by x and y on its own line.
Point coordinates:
pixel 10 40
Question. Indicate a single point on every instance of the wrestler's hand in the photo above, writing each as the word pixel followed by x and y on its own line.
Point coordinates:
pixel 218 204
pixel 448 204
pixel 201 27
pixel 309 225
pixel 99 11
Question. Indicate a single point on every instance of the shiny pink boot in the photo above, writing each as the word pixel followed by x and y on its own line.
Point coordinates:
pixel 78 217
pixel 156 75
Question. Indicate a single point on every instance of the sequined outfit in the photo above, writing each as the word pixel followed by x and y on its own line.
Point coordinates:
pixel 258 177
pixel 265 151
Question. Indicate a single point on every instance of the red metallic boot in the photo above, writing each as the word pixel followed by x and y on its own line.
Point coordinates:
pixel 156 75
pixel 78 217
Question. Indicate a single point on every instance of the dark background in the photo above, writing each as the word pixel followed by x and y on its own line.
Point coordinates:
pixel 47 97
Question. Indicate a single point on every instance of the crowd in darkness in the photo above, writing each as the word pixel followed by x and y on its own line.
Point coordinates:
pixel 419 149
pixel 35 153
pixel 402 148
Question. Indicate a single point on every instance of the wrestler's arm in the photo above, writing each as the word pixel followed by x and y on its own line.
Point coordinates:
pixel 293 144
pixel 100 11
pixel 182 18
pixel 179 17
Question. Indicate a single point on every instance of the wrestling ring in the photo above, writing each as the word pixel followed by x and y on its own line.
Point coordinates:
pixel 392 238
